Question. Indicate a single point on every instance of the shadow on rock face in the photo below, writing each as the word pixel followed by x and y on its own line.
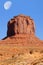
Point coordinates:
pixel 10 31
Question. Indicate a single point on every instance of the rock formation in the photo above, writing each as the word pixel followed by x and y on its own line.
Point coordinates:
pixel 21 46
pixel 21 25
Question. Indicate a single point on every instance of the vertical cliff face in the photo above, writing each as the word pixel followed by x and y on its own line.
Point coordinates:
pixel 20 25
pixel 21 46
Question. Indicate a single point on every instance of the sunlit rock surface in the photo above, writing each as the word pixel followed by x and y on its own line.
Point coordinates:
pixel 21 46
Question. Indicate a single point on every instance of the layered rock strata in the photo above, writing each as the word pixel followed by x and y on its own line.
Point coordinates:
pixel 21 46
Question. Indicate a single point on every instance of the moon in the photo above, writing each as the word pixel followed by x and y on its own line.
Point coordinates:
pixel 7 5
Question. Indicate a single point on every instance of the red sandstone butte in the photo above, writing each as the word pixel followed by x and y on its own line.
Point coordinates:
pixel 21 46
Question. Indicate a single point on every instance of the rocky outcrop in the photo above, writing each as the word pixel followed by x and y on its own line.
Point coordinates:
pixel 21 25
pixel 21 46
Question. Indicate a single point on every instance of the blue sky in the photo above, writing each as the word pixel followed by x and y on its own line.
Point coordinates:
pixel 32 8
